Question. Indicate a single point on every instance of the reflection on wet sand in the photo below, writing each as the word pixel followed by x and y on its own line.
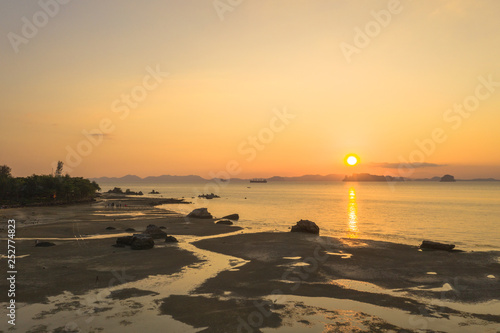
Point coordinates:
pixel 352 214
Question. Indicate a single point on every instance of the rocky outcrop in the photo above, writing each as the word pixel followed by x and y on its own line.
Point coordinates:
pixel 234 217
pixel 155 232
pixel 142 242
pixel 226 222
pixel 200 213
pixel 306 226
pixel 429 245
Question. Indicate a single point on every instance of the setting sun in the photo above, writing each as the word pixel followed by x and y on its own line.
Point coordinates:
pixel 351 160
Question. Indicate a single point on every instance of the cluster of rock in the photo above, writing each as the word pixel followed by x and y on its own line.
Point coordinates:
pixel 208 196
pixel 146 240
pixel 118 190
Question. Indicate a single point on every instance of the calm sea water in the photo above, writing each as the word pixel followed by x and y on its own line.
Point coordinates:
pixel 464 213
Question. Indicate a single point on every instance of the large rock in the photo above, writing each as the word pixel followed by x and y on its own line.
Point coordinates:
pixel 126 240
pixel 306 226
pixel 429 245
pixel 142 242
pixel 234 217
pixel 227 222
pixel 200 213
pixel 155 232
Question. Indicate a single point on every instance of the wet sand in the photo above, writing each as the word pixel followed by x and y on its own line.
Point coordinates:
pixel 239 282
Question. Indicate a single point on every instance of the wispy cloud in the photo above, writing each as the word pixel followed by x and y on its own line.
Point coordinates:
pixel 406 165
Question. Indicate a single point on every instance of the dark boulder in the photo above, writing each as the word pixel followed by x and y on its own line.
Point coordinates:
pixel 171 239
pixel 429 245
pixel 130 230
pixel 306 226
pixel 142 242
pixel 234 217
pixel 110 228
pixel 227 222
pixel 200 213
pixel 155 232
pixel 44 244
pixel 126 240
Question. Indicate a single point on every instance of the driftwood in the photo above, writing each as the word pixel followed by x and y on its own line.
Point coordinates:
pixel 429 245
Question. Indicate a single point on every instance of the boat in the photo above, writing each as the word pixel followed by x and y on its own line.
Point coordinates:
pixel 258 180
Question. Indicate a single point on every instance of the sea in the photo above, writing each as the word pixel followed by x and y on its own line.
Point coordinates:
pixel 464 213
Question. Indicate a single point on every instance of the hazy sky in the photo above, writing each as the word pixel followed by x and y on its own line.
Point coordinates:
pixel 256 87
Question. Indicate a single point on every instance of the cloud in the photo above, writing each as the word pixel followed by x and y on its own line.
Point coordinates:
pixel 406 165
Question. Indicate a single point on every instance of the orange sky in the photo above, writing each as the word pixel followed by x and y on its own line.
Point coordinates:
pixel 273 88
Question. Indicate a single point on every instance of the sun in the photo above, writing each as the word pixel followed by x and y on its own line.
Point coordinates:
pixel 351 160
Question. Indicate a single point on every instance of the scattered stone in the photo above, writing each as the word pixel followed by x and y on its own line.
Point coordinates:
pixel 234 217
pixel 130 230
pixel 227 222
pixel 171 239
pixel 110 228
pixel 44 244
pixel 200 213
pixel 155 232
pixel 306 226
pixel 142 242
pixel 429 245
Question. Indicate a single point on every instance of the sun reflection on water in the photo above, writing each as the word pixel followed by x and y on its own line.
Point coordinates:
pixel 352 213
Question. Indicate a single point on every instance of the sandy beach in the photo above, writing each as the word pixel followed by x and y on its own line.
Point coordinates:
pixel 221 278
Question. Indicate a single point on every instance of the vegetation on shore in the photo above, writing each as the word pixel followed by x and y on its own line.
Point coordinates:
pixel 44 189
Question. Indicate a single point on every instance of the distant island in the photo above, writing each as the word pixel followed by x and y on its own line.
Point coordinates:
pixel 366 177
pixel 448 179
pixel 304 178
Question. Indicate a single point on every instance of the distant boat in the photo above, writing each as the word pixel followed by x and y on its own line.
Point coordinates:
pixel 258 180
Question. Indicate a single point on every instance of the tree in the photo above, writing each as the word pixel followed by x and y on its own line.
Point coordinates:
pixel 5 171
pixel 59 169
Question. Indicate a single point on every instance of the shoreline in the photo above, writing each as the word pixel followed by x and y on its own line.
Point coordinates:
pixel 240 272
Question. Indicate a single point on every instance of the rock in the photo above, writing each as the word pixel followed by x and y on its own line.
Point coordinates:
pixel 447 178
pixel 110 228
pixel 162 227
pixel 126 240
pixel 200 213
pixel 130 230
pixel 44 244
pixel 234 217
pixel 142 242
pixel 171 239
pixel 428 245
pixel 306 226
pixel 155 232
pixel 227 222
